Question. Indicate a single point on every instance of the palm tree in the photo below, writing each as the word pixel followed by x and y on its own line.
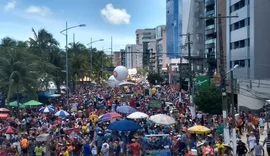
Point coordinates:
pixel 17 72
pixel 46 48
pixel 78 62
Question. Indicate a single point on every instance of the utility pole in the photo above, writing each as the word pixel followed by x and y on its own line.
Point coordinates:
pixel 233 118
pixel 223 76
pixel 112 51
pixel 91 58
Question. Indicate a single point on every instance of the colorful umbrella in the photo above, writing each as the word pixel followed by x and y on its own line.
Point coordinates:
pixel 61 113
pixel 4 110
pixel 109 116
pixel 46 109
pixel 125 109
pixel 8 130
pixel 162 119
pixel 32 103
pixel 124 125
pixel 199 129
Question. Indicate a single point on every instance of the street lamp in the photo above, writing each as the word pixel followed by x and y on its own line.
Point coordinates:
pixel 233 113
pixel 66 34
pixel 91 55
pixel 102 64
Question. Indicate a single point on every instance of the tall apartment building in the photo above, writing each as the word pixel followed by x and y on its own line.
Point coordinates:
pixel 117 59
pixel 122 57
pixel 134 56
pixel 152 48
pixel 247 38
pixel 174 28
pixel 196 30
pixel 161 48
pixel 143 37
pixel 210 36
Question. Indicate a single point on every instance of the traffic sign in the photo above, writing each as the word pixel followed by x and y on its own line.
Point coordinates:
pixel 108 68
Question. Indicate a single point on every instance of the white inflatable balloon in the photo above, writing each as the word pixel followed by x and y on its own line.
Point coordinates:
pixel 120 73
pixel 112 82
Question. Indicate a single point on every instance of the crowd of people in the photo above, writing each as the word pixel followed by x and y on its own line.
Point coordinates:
pixel 81 133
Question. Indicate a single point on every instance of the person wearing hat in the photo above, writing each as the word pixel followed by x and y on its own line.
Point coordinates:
pixel 210 140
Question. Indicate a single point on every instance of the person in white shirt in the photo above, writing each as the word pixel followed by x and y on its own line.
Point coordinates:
pixel 105 149
pixel 261 124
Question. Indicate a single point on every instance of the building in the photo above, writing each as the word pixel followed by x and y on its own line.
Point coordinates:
pixel 152 48
pixel 247 38
pixel 134 56
pixel 117 59
pixel 143 37
pixel 161 48
pixel 196 30
pixel 122 57
pixel 210 37
pixel 174 28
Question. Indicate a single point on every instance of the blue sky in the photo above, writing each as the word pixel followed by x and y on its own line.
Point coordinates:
pixel 104 18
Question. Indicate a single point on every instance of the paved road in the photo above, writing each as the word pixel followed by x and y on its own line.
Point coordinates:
pixel 262 137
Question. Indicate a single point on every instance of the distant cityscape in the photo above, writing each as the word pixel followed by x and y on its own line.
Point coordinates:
pixel 220 34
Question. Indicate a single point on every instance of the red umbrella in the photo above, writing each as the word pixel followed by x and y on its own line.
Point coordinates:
pixel 8 130
pixel 4 110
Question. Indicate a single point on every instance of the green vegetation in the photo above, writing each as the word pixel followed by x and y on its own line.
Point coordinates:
pixel 27 66
pixel 209 99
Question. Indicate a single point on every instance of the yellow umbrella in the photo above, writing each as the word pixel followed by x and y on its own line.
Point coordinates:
pixel 199 129
pixel 93 118
pixel 153 90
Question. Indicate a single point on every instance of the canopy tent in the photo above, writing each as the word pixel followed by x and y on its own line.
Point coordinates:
pixel 15 104
pixel 32 103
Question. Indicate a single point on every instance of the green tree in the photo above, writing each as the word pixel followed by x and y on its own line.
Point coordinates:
pixel 51 62
pixel 209 99
pixel 17 70
pixel 154 78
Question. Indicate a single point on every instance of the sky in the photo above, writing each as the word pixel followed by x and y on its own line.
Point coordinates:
pixel 103 19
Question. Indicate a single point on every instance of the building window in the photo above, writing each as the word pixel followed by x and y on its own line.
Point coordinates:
pixel 242 63
pixel 239 5
pixel 239 24
pixel 239 44
pixel 230 64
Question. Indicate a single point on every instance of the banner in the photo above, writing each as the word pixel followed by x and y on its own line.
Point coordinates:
pixel 165 152
pixel 202 81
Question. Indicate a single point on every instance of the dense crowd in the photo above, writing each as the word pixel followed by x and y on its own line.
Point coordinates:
pixel 83 133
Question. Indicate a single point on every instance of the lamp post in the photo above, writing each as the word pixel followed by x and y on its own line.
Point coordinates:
pixel 102 64
pixel 91 55
pixel 233 113
pixel 65 32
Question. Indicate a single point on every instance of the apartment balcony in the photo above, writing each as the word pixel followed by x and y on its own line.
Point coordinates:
pixel 209 13
pixel 209 2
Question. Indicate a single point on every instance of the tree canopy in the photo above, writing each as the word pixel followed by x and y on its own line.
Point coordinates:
pixel 154 78
pixel 209 99
pixel 28 66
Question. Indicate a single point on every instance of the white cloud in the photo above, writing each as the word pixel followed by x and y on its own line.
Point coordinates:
pixel 10 5
pixel 38 10
pixel 114 15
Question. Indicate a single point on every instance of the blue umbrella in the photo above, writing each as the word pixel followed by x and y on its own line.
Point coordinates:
pixel 46 109
pixel 124 125
pixel 61 113
pixel 126 109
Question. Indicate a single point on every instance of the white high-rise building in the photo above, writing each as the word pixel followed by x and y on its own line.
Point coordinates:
pixel 134 55
pixel 248 38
